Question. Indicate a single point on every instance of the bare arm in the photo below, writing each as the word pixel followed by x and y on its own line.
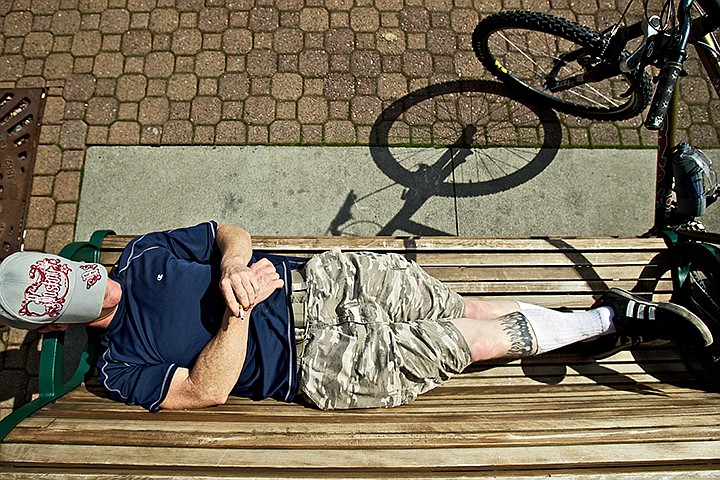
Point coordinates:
pixel 238 283
pixel 220 363
pixel 216 370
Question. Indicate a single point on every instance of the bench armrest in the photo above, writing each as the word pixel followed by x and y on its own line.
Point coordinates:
pixel 51 386
pixel 690 249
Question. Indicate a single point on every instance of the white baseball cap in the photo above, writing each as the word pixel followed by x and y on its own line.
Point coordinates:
pixel 39 289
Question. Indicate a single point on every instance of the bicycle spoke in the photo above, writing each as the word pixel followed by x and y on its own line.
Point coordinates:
pixel 519 50
pixel 608 99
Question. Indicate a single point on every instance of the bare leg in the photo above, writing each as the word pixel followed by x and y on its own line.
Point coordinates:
pixel 489 310
pixel 507 336
pixel 505 328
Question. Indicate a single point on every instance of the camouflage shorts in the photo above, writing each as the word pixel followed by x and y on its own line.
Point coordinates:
pixel 379 331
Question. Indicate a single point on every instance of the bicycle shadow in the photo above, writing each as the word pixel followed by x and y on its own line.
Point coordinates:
pixel 463 138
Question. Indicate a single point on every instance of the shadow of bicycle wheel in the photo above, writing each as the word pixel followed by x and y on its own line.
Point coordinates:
pixel 464 138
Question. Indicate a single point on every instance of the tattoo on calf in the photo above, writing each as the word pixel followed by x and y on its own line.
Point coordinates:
pixel 520 333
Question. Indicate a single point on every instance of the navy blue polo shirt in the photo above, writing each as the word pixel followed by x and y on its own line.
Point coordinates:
pixel 171 307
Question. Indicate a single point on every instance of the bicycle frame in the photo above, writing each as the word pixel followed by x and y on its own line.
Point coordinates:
pixel 708 50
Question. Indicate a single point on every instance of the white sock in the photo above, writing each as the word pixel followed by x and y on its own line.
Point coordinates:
pixel 555 329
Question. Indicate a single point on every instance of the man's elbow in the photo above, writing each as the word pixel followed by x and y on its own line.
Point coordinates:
pixel 214 400
pixel 209 397
pixel 188 395
pixel 228 231
pixel 194 401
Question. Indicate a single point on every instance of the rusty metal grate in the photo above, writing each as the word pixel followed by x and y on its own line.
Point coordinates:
pixel 20 113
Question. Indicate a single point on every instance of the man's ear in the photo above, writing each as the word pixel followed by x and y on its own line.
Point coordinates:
pixel 55 327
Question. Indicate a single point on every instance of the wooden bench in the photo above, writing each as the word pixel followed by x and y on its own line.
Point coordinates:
pixel 638 414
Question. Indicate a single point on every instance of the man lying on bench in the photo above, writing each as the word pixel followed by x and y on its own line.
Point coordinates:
pixel 193 315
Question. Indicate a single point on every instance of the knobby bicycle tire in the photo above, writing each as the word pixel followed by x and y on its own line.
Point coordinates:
pixel 520 48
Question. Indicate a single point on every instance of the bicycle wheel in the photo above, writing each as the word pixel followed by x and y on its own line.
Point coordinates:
pixel 530 50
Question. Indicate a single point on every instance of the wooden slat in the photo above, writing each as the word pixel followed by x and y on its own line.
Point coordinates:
pixel 305 243
pixel 242 416
pixel 501 258
pixel 571 301
pixel 149 435
pixel 465 258
pixel 554 287
pixel 545 272
pixel 648 472
pixel 460 251
pixel 357 458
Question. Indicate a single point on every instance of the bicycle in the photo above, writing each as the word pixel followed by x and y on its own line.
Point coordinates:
pixel 583 72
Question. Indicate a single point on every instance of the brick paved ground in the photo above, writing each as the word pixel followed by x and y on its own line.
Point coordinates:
pixel 203 72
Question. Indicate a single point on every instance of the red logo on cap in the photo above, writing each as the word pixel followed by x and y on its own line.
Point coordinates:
pixel 46 295
pixel 91 275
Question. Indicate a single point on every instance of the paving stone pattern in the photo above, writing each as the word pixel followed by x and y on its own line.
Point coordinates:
pixel 230 72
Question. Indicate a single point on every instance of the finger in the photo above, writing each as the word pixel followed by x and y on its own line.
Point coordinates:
pixel 229 295
pixel 262 264
pixel 249 291
pixel 271 272
pixel 264 274
pixel 241 290
pixel 254 281
pixel 246 281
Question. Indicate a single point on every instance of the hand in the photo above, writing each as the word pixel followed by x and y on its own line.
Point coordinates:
pixel 243 287
pixel 238 284
pixel 268 280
